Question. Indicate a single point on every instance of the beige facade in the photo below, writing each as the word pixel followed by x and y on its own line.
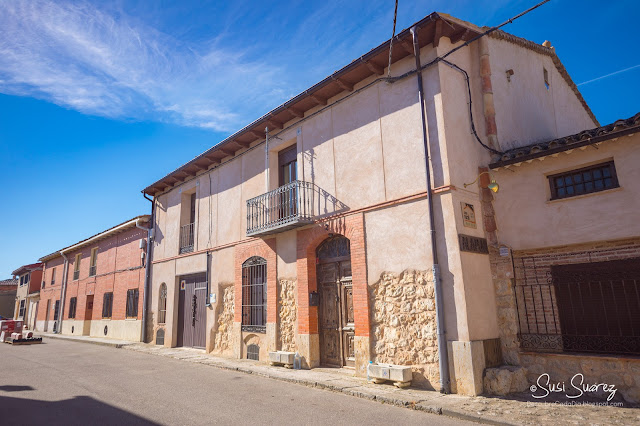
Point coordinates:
pixel 27 294
pixel 363 153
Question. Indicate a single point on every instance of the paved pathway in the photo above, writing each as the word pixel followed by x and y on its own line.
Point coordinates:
pixel 61 382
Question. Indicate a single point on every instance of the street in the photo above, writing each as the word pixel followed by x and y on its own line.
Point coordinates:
pixel 68 383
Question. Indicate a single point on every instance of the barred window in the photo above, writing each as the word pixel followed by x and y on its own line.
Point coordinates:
pixel 254 294
pixel 583 181
pixel 107 305
pixel 132 303
pixel 72 307
pixel 162 304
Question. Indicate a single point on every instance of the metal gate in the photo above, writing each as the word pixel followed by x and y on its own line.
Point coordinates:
pixel 192 316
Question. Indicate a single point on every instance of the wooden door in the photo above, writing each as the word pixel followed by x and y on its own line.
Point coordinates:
pixel 337 323
pixel 191 311
pixel 88 315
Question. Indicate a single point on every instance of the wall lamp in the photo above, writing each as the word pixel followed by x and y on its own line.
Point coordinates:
pixel 493 185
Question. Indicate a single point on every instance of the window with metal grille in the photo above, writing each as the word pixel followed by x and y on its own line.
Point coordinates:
pixel 107 305
pixel 254 294
pixel 53 276
pixel 583 181
pixel 132 303
pixel 162 304
pixel 160 336
pixel 253 352
pixel 586 307
pixel 72 307
pixel 21 311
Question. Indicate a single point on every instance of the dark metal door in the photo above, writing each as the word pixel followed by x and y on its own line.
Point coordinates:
pixel 192 319
pixel 336 313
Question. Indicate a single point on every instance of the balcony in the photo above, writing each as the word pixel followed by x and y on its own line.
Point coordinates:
pixel 186 238
pixel 76 275
pixel 92 271
pixel 295 204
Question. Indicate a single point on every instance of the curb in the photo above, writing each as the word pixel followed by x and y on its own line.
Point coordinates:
pixel 428 406
pixel 92 342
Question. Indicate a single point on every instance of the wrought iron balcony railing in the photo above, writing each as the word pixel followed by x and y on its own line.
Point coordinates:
pixel 186 238
pixel 92 271
pixel 291 205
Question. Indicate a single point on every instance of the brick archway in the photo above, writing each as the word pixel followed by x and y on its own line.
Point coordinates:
pixel 308 240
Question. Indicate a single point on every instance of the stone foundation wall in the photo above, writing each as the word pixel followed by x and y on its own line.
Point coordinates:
pixel 287 315
pixel 222 339
pixel 526 303
pixel 404 324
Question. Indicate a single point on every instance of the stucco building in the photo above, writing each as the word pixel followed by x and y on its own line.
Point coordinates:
pixel 28 293
pixel 346 224
pixel 8 289
pixel 95 287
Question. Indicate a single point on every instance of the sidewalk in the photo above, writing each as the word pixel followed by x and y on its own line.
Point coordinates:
pixel 512 411
pixel 85 339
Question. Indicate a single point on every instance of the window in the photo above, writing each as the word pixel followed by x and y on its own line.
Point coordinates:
pixel 21 311
pixel 24 280
pixel 76 267
pixel 94 261
pixel 132 303
pixel 253 352
pixel 583 181
pixel 545 74
pixel 287 176
pixel 107 305
pixel 187 230
pixel 254 294
pixel 53 276
pixel 162 304
pixel 72 307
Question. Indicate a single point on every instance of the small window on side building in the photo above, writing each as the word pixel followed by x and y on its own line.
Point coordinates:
pixel 545 74
pixel 94 262
pixel 76 267
pixel 132 303
pixel 107 305
pixel 72 307
pixel 599 177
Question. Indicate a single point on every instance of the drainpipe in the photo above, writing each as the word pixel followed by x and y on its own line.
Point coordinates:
pixel 266 160
pixel 63 292
pixel 147 268
pixel 208 302
pixel 437 284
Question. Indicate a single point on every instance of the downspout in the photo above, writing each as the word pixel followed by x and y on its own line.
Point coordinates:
pixel 442 340
pixel 147 268
pixel 63 292
pixel 208 302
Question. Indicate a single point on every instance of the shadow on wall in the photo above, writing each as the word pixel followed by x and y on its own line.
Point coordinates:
pixel 79 410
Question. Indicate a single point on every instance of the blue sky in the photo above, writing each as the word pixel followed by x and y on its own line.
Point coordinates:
pixel 100 99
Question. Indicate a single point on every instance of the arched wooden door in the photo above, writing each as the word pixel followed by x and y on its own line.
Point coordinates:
pixel 336 317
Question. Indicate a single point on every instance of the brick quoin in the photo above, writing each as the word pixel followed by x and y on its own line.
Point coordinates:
pixel 308 240
pixel 267 250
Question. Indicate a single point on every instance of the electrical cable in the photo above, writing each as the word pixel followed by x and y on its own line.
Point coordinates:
pixel 393 34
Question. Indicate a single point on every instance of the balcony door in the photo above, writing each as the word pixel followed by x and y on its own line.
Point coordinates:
pixel 287 173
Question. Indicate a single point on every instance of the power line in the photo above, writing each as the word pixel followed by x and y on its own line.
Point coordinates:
pixel 393 34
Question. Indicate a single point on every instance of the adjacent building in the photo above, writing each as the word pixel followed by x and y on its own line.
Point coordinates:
pixel 28 293
pixel 95 287
pixel 8 289
pixel 346 224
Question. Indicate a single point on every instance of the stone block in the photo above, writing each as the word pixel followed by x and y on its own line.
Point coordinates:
pixel 395 373
pixel 505 380
pixel 281 357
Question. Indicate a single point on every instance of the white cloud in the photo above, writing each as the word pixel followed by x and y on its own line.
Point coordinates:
pixel 108 64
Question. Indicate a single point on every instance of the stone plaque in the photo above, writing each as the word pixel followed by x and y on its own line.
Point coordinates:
pixel 473 244
pixel 468 215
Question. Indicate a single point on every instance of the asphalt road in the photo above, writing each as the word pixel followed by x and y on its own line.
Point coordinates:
pixel 71 383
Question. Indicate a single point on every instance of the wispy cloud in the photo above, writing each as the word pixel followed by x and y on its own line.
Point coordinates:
pixel 105 63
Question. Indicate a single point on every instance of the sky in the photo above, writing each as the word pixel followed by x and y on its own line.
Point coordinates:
pixel 100 99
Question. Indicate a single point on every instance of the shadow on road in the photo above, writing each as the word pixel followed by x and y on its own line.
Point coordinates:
pixel 80 410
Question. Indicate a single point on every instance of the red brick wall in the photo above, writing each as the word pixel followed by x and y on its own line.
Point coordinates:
pixel 267 250
pixel 308 240
pixel 118 269
pixel 35 281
